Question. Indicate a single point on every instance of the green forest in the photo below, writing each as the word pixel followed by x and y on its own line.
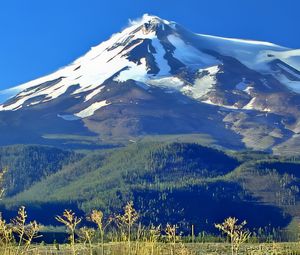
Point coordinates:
pixel 171 182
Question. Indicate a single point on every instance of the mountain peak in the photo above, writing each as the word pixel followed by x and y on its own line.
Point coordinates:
pixel 152 50
pixel 150 19
pixel 150 23
pixel 157 77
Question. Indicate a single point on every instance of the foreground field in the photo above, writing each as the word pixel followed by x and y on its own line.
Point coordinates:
pixel 142 248
pixel 18 238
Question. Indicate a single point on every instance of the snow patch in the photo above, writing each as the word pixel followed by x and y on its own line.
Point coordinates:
pixel 68 117
pixel 89 111
pixel 167 82
pixel 204 84
pixel 161 62
pixel 188 55
pixel 241 41
pixel 93 93
pixel 134 72
pixel 250 53
pixel 250 105
pixel 232 107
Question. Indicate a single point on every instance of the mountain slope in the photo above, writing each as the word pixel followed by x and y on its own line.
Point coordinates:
pixel 26 165
pixel 156 77
pixel 173 182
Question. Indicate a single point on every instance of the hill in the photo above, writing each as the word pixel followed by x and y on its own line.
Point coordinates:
pixel 172 182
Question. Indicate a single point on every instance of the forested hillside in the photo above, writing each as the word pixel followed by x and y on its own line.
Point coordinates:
pixel 168 182
pixel 26 165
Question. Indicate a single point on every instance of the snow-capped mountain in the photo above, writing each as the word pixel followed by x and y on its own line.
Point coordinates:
pixel 156 77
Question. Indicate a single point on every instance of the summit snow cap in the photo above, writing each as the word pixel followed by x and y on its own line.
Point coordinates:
pixel 154 51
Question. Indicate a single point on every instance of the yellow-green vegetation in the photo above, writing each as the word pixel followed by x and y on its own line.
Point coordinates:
pixel 70 221
pixel 97 218
pixel 236 232
pixel 126 236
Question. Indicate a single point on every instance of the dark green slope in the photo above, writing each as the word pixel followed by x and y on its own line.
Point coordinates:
pixel 272 181
pixel 172 182
pixel 28 164
pixel 99 175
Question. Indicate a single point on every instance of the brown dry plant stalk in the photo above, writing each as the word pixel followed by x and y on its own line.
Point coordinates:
pixel 127 220
pixel 6 235
pixel 172 237
pixel 87 235
pixel 25 232
pixel 97 217
pixel 236 232
pixel 71 221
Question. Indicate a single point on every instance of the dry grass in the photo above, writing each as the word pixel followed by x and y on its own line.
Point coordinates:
pixel 129 238
pixel 121 248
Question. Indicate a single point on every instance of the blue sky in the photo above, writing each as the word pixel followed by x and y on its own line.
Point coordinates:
pixel 40 36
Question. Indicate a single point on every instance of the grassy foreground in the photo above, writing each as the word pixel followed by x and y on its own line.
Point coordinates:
pixel 143 248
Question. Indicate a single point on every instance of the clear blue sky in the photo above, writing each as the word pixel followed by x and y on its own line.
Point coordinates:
pixel 40 36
